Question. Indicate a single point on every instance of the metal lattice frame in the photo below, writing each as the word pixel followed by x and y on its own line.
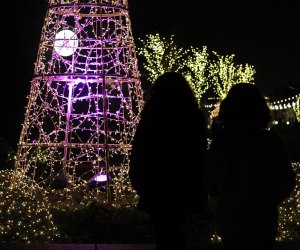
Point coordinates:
pixel 83 105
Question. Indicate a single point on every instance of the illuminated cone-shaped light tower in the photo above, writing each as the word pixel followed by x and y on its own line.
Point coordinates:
pixel 84 100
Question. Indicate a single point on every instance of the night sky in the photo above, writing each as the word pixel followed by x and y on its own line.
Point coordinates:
pixel 263 35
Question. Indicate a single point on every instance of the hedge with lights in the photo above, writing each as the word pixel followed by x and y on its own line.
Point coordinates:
pixel 26 216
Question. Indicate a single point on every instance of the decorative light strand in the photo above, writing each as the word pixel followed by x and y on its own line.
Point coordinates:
pixel 286 103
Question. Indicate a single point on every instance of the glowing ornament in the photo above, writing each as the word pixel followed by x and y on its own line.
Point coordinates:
pixel 100 178
pixel 65 43
pixel 98 181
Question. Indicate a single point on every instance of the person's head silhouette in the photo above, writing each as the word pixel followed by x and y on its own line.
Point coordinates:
pixel 171 89
pixel 244 101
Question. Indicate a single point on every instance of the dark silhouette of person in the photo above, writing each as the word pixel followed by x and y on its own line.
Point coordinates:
pixel 248 171
pixel 167 158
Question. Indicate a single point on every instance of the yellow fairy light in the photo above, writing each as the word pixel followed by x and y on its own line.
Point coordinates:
pixel 224 73
pixel 218 75
pixel 296 108
pixel 24 211
pixel 289 212
pixel 161 54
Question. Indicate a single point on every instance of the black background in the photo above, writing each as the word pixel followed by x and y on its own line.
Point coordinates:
pixel 265 35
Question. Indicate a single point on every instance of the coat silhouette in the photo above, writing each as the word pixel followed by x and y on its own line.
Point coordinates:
pixel 248 171
pixel 167 157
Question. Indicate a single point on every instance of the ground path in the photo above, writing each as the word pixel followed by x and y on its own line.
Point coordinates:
pixel 279 246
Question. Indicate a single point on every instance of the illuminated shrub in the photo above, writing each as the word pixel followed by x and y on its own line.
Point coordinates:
pixel 289 212
pixel 24 210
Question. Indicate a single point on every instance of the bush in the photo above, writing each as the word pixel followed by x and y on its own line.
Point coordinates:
pixel 24 210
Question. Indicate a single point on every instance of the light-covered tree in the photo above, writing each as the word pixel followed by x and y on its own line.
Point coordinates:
pixel 203 73
pixel 161 54
pixel 297 109
pixel 224 73
pixel 195 70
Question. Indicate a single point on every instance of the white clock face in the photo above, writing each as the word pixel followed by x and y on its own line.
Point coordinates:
pixel 65 43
